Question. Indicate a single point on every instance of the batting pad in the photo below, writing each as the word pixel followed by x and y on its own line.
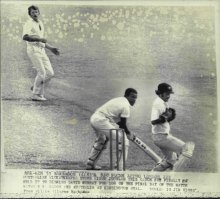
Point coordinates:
pixel 185 157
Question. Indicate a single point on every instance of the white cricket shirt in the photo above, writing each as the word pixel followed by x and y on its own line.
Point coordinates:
pixel 158 108
pixel 115 109
pixel 32 27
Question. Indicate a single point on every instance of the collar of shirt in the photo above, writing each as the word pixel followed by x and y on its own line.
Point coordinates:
pixel 162 102
pixel 33 21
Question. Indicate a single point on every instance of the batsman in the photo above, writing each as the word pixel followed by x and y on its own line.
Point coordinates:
pixel 177 153
pixel 111 115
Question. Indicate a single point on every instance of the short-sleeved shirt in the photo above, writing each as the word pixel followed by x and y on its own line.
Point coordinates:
pixel 115 108
pixel 158 108
pixel 32 27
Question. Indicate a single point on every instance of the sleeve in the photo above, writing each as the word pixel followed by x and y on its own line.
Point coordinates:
pixel 26 29
pixel 155 113
pixel 125 112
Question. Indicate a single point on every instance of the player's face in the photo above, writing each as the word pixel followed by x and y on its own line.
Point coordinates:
pixel 165 96
pixel 34 14
pixel 132 98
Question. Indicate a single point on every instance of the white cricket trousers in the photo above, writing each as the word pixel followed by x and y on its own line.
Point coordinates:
pixel 44 69
pixel 102 126
pixel 169 145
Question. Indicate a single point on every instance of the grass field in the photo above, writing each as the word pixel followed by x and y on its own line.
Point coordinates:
pixel 104 50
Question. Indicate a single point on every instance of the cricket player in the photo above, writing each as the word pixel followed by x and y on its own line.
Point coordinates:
pixel 175 151
pixel 33 34
pixel 112 115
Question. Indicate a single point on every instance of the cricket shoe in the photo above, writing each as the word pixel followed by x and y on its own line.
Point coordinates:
pixel 163 167
pixel 37 97
pixel 44 99
pixel 93 167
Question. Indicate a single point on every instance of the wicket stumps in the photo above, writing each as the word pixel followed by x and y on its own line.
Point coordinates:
pixel 122 141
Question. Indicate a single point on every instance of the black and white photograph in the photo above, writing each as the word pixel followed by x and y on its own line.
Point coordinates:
pixel 110 98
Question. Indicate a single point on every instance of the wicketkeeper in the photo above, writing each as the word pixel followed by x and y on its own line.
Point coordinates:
pixel 112 115
pixel 176 152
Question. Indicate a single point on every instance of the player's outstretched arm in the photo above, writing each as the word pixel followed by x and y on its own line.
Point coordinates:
pixel 160 120
pixel 122 124
pixel 34 38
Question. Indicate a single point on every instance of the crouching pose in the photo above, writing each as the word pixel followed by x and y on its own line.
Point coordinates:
pixel 112 115
pixel 176 152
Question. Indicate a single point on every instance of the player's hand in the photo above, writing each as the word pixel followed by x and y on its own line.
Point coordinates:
pixel 172 114
pixel 168 115
pixel 55 51
pixel 130 136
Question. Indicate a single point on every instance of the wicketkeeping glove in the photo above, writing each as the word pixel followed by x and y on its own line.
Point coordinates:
pixel 169 115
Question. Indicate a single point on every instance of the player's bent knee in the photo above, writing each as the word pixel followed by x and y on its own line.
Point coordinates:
pixel 52 74
pixel 98 146
pixel 188 149
pixel 42 75
pixel 105 143
pixel 101 144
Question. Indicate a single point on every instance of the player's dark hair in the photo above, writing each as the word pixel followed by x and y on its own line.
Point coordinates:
pixel 128 91
pixel 33 8
pixel 158 92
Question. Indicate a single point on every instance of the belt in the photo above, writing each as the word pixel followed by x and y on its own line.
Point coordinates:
pixel 40 46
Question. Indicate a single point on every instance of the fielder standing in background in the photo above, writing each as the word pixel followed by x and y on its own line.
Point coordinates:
pixel 33 34
pixel 112 115
pixel 176 152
